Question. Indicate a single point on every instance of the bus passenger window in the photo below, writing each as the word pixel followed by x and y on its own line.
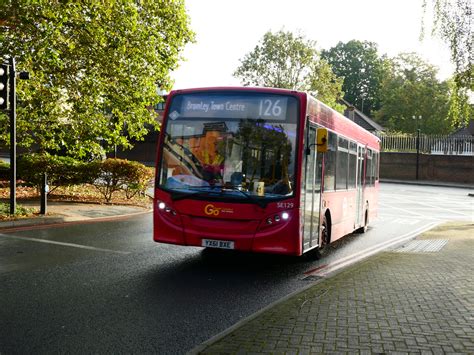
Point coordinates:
pixel 376 166
pixel 342 164
pixel 330 163
pixel 369 181
pixel 351 182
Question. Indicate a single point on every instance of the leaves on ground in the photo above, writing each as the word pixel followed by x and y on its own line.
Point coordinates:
pixel 75 193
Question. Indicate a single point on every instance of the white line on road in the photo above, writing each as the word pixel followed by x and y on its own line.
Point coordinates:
pixel 389 206
pixel 383 215
pixel 437 208
pixel 63 244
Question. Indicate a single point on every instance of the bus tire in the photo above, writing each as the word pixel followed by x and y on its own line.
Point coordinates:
pixel 365 227
pixel 325 232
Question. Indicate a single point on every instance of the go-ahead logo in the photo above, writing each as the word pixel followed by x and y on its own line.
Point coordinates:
pixel 212 210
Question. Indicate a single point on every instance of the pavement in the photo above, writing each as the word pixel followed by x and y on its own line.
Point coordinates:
pixel 417 298
pixel 71 212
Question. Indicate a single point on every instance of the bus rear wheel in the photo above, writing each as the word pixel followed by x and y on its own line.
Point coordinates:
pixel 365 227
pixel 325 234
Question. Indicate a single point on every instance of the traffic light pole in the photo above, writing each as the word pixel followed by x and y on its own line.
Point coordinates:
pixel 12 136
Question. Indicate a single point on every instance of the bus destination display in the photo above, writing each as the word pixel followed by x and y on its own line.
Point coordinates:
pixel 272 107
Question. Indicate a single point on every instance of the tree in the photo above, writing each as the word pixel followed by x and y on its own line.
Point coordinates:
pixel 286 60
pixel 411 89
pixel 360 67
pixel 453 23
pixel 94 67
pixel 461 110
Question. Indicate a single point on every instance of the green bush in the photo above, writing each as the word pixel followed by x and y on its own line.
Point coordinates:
pixel 119 174
pixel 60 171
pixel 107 176
pixel 20 210
pixel 4 171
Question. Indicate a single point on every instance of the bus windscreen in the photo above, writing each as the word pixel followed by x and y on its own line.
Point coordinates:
pixel 243 144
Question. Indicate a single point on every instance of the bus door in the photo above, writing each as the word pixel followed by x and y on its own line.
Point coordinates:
pixel 311 193
pixel 360 185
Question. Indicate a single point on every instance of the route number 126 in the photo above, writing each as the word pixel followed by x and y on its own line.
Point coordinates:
pixel 270 108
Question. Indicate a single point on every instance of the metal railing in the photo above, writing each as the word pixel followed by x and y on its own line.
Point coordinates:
pixel 428 144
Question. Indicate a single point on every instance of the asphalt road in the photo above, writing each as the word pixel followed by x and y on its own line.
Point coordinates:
pixel 108 288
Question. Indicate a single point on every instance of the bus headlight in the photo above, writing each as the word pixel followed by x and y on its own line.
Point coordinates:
pixel 162 207
pixel 276 220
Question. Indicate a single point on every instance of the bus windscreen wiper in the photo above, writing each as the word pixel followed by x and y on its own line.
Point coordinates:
pixel 208 190
pixel 260 202
pixel 202 190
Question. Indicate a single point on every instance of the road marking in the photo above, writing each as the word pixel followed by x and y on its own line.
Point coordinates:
pixel 437 208
pixel 406 221
pixel 427 201
pixel 353 258
pixel 27 239
pixel 384 216
pixel 400 209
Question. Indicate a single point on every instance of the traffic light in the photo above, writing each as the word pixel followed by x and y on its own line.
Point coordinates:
pixel 3 86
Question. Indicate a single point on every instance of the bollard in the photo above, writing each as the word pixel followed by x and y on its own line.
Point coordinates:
pixel 44 194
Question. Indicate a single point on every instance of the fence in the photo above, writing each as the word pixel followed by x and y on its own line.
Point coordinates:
pixel 428 144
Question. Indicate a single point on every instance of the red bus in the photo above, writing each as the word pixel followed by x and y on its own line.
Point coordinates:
pixel 239 168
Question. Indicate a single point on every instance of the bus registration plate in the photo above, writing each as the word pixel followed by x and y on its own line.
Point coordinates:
pixel 221 244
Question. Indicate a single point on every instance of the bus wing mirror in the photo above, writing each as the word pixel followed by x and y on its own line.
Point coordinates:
pixel 322 140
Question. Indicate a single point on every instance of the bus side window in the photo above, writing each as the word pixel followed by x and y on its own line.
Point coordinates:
pixel 374 168
pixel 330 163
pixel 310 161
pixel 369 177
pixel 342 164
pixel 351 182
pixel 377 166
pixel 374 163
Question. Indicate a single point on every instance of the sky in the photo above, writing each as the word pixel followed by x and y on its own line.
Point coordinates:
pixel 227 30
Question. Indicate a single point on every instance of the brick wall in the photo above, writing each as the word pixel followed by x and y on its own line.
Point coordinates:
pixel 444 168
pixel 143 152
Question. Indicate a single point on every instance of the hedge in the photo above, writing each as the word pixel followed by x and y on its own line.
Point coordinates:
pixel 4 171
pixel 119 174
pixel 60 171
pixel 108 176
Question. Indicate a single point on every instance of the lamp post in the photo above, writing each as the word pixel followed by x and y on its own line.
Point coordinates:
pixel 417 119
pixel 12 136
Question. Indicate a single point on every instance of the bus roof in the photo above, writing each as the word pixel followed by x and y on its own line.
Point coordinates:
pixel 318 112
pixel 238 88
